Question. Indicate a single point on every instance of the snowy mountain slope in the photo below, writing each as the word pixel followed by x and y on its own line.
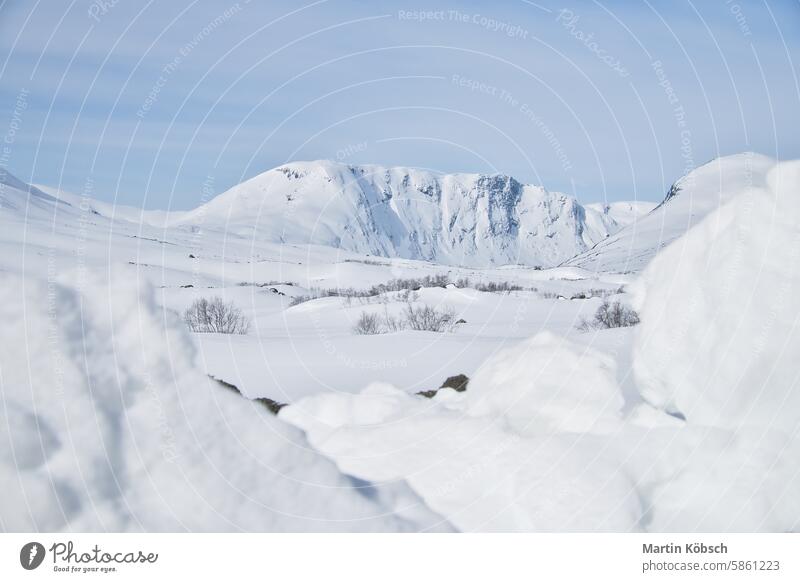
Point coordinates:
pixel 691 198
pixel 17 196
pixel 620 214
pixel 458 219
pixel 158 218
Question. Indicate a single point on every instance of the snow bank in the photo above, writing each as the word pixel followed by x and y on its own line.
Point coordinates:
pixel 719 337
pixel 651 473
pixel 107 425
pixel 546 384
pixel 472 469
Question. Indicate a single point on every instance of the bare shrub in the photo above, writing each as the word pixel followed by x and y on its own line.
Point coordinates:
pixel 610 315
pixel 492 287
pixel 317 293
pixel 427 318
pixel 215 316
pixel 406 289
pixel 367 324
pixel 438 280
pixel 392 324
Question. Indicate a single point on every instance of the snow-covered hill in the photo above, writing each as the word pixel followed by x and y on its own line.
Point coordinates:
pixel 22 198
pixel 459 219
pixel 691 198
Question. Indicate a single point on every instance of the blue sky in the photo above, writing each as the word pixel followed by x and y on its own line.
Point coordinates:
pixel 144 103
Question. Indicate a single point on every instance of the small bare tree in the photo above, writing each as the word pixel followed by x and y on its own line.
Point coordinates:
pixel 215 316
pixel 367 324
pixel 392 324
pixel 610 315
pixel 427 318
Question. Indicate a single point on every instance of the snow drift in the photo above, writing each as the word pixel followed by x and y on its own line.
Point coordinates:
pixel 502 469
pixel 107 426
pixel 720 313
pixel 574 389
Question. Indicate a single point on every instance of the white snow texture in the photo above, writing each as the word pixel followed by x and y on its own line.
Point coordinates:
pixel 108 426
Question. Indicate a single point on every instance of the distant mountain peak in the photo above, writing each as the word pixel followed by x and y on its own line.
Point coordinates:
pixel 474 220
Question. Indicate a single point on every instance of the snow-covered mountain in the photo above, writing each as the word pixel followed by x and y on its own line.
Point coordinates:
pixel 690 199
pixel 471 220
pixel 458 219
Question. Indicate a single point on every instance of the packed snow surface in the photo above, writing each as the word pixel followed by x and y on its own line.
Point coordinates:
pixel 108 425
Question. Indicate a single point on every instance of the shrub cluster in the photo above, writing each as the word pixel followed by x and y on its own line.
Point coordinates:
pixel 611 315
pixel 215 316
pixel 406 285
pixel 418 318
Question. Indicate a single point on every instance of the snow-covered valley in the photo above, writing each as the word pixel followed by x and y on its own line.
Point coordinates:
pixel 563 425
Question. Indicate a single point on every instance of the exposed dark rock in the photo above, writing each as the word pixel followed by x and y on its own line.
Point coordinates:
pixel 457 383
pixel 271 405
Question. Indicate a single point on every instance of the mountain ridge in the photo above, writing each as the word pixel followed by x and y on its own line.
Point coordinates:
pixel 454 219
pixel 689 200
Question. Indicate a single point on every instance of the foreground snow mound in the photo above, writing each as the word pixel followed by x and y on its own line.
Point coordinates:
pixel 548 384
pixel 720 312
pixel 106 425
pixel 491 459
pixel 472 469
